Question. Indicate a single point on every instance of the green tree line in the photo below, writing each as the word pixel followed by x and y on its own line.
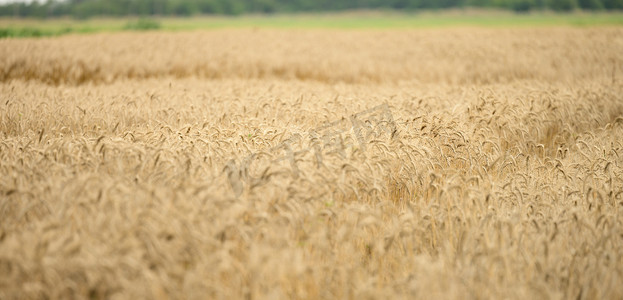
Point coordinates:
pixel 90 8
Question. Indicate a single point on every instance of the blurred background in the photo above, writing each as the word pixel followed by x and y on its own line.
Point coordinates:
pixel 28 18
pixel 91 8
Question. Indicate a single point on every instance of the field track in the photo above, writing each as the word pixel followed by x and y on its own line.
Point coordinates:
pixel 313 164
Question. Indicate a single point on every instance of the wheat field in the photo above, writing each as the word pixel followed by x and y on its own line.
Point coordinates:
pixel 457 163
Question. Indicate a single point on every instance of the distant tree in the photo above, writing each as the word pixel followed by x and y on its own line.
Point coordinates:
pixel 85 9
pixel 540 4
pixel 232 7
pixel 400 4
pixel 522 6
pixel 263 6
pixel 613 4
pixel 182 8
pixel 478 3
pixel 562 5
pixel 89 8
pixel 590 4
pixel 451 3
pixel 212 7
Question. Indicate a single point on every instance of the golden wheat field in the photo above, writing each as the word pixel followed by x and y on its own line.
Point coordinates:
pixel 457 163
